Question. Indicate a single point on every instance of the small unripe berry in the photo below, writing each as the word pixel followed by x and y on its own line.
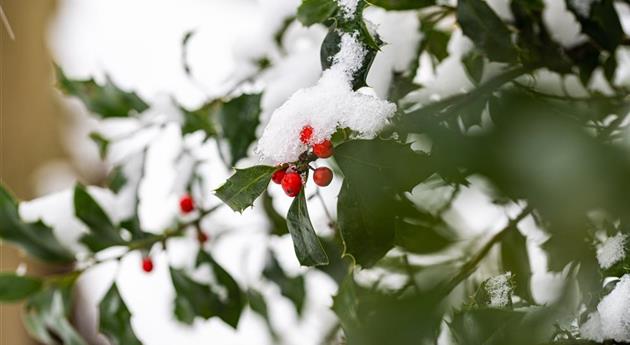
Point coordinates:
pixel 306 133
pixel 323 149
pixel 278 175
pixel 186 204
pixel 322 176
pixel 147 264
pixel 292 184
pixel 202 237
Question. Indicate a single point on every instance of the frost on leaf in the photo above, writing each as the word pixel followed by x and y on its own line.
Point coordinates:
pixel 496 292
pixel 328 105
pixel 612 251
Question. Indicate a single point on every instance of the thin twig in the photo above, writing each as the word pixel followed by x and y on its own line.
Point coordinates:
pixel 5 21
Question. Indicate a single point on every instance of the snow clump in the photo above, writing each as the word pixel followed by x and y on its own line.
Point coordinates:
pixel 328 105
pixel 612 318
pixel 612 250
pixel 499 290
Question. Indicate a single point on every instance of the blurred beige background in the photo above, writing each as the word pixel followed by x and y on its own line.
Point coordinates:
pixel 29 123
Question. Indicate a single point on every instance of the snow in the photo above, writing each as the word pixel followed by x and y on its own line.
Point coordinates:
pixel 348 7
pixel 328 105
pixel 499 290
pixel 612 250
pixel 612 318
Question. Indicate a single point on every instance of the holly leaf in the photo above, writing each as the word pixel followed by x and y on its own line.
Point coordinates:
pixel 231 305
pixel 46 315
pixel 201 119
pixel 105 101
pixel 401 86
pixel 193 299
pixel 115 319
pixel 420 232
pixel 486 326
pixel 292 288
pixel 116 179
pixel 515 259
pixel 241 189
pixel 473 65
pixel 601 23
pixel 375 171
pixel 277 223
pixel 239 118
pixel 35 238
pixel 486 30
pixel 14 287
pixel 402 5
pixel 308 249
pixel 315 11
pixel 103 233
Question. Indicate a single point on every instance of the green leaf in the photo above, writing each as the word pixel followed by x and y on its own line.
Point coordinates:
pixel 401 86
pixel 420 232
pixel 105 101
pixel 101 142
pixel 473 65
pixel 436 42
pixel 115 319
pixel 308 249
pixel 258 305
pixel 47 313
pixel 201 119
pixel 515 259
pixel 487 326
pixel 14 287
pixel 116 179
pixel 35 238
pixel 241 189
pixel 292 288
pixel 487 31
pixel 375 171
pixel 103 233
pixel 232 305
pixel 239 118
pixel 401 5
pixel 315 11
pixel 277 223
pixel 602 23
pixel 193 299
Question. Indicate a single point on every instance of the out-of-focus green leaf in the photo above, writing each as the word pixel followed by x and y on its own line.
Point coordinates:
pixel 102 233
pixel 116 179
pixel 115 319
pixel 488 327
pixel 420 232
pixel 601 23
pixel 367 206
pixel 201 119
pixel 315 11
pixel 473 65
pixel 291 287
pixel 486 30
pixel 258 305
pixel 104 101
pixel 241 189
pixel 308 249
pixel 277 223
pixel 193 299
pixel 515 259
pixel 47 313
pixel 370 317
pixel 401 5
pixel 101 142
pixel 239 118
pixel 14 287
pixel 401 86
pixel 232 305
pixel 35 238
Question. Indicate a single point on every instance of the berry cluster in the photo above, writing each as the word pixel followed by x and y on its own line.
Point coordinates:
pixel 293 176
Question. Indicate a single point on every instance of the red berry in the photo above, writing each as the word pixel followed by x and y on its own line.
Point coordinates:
pixel 278 175
pixel 202 237
pixel 292 184
pixel 322 176
pixel 323 149
pixel 306 133
pixel 147 264
pixel 186 204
